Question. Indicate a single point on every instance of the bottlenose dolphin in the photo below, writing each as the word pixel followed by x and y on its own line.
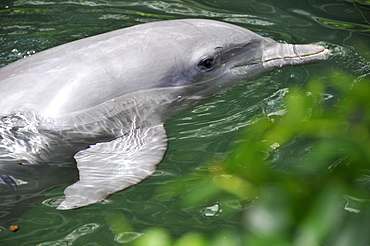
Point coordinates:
pixel 104 99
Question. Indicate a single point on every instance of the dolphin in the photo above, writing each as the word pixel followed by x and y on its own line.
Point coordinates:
pixel 103 100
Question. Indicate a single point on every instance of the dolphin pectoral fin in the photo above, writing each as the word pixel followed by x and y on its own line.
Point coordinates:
pixel 106 168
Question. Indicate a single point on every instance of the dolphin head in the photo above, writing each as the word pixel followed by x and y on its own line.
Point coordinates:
pixel 218 55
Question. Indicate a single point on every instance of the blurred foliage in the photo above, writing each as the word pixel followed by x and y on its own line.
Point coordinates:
pixel 323 199
pixel 362 1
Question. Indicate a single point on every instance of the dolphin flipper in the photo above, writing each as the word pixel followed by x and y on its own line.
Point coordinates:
pixel 106 168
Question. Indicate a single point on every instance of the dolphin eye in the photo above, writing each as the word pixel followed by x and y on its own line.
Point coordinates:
pixel 207 64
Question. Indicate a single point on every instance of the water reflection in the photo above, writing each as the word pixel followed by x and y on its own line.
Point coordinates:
pixel 344 15
pixel 344 25
pixel 73 236
pixel 219 122
pixel 127 237
pixel 211 211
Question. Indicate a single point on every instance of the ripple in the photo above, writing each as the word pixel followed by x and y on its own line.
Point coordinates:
pixel 79 2
pixel 239 204
pixel 343 25
pixel 53 202
pixel 73 236
pixel 114 17
pixel 249 21
pixel 229 121
pixel 127 237
pixel 168 196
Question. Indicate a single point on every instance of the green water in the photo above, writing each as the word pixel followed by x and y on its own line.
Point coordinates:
pixel 197 138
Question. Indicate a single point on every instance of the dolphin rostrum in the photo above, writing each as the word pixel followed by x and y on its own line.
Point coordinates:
pixel 104 99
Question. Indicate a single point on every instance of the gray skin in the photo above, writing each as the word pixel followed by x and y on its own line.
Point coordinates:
pixel 104 99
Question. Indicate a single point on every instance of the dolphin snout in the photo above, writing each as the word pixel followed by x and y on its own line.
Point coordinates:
pixel 280 55
pixel 308 50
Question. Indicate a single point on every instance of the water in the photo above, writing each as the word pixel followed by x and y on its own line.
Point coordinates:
pixel 197 137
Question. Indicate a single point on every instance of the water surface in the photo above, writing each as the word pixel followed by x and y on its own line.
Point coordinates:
pixel 197 137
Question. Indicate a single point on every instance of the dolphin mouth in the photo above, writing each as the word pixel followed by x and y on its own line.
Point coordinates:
pixel 280 55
